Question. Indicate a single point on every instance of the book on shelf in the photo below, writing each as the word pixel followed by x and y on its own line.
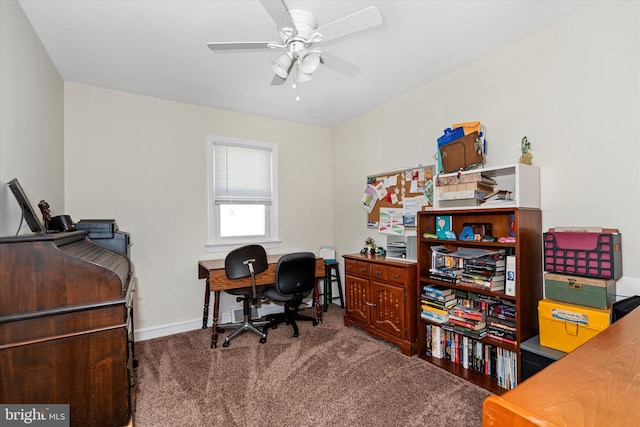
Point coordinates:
pixel 433 309
pixel 501 323
pixel 499 196
pixel 447 271
pixel 485 270
pixel 510 274
pixel 444 278
pixel 502 311
pixel 479 334
pixel 498 332
pixel 437 290
pixel 434 317
pixel 443 224
pixel 466 323
pixel 469 313
pixel 438 303
pixel 492 285
pixel 459 203
pixel 462 195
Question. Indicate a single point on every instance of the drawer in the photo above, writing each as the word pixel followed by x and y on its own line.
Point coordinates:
pixel 379 272
pixel 396 275
pixel 357 268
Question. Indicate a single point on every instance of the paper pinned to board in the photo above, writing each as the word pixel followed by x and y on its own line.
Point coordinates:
pixel 369 198
pixel 391 221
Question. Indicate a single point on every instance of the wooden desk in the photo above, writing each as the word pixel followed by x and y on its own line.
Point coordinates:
pixel 213 271
pixel 598 384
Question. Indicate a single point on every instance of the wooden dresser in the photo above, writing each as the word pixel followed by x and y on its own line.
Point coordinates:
pixel 598 384
pixel 380 297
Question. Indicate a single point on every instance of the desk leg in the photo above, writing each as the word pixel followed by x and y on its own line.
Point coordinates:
pixel 316 297
pixel 207 296
pixel 216 313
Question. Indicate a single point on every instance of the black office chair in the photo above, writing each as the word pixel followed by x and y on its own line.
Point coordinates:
pixel 246 261
pixel 294 281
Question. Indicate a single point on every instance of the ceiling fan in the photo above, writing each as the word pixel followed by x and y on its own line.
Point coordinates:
pixel 299 37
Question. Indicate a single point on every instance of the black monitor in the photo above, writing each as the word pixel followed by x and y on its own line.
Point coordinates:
pixel 27 210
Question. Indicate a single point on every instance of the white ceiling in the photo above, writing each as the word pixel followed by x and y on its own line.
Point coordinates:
pixel 158 48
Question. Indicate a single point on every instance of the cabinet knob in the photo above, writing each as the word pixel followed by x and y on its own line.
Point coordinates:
pixel 395 276
pixel 363 269
pixel 379 273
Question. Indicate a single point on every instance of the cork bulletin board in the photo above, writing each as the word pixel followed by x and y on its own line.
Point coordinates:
pixel 399 194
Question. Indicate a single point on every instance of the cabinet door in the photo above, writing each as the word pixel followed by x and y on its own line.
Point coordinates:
pixel 356 294
pixel 387 308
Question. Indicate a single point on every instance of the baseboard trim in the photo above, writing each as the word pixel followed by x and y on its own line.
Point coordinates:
pixel 191 325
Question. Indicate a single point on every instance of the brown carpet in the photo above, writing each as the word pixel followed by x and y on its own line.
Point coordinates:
pixel 329 376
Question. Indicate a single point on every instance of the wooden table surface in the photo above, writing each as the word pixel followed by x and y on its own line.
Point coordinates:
pixel 598 384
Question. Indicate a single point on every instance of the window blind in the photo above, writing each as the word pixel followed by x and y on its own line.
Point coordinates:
pixel 242 174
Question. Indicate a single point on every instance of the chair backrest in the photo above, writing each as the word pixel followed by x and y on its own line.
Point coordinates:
pixel 236 262
pixel 295 273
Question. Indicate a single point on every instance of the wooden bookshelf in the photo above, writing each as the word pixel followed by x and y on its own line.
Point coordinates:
pixel 526 227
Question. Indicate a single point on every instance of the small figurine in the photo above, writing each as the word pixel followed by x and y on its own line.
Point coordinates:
pixel 46 213
pixel 525 148
pixel 369 246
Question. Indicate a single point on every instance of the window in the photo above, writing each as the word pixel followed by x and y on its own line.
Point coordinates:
pixel 242 193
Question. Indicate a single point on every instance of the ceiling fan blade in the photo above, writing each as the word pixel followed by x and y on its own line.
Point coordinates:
pixel 277 80
pixel 339 64
pixel 358 21
pixel 220 46
pixel 280 15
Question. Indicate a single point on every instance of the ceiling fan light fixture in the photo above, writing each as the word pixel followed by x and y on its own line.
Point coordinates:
pixel 282 65
pixel 303 77
pixel 309 61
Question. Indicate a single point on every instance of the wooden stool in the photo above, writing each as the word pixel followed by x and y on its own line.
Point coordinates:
pixel 331 274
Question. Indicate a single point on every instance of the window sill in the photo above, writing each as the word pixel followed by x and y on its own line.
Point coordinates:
pixel 227 246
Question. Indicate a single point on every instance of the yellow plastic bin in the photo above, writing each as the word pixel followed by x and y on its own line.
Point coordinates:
pixel 565 326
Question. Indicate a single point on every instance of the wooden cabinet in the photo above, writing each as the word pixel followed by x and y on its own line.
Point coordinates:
pixel 380 297
pixel 525 225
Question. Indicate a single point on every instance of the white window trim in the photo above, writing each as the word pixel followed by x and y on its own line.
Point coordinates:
pixel 215 245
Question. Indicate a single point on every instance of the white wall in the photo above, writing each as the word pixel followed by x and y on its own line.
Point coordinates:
pixel 31 120
pixel 142 161
pixel 573 89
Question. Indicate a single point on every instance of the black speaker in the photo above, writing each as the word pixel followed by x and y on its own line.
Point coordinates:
pixel 621 308
pixel 61 223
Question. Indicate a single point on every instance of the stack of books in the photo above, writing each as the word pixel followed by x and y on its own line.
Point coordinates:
pixel 435 302
pixel 468 321
pixel 501 322
pixel 486 271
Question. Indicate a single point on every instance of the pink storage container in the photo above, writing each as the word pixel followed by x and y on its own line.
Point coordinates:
pixel 588 254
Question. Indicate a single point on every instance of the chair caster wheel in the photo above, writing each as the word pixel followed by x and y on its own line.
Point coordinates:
pixel 263 340
pixel 274 327
pixel 315 323
pixel 225 344
pixel 295 335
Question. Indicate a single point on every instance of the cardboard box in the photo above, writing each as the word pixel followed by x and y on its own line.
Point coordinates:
pixel 597 293
pixel 463 153
pixel 565 326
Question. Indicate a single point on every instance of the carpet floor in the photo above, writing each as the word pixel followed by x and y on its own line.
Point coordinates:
pixel 329 376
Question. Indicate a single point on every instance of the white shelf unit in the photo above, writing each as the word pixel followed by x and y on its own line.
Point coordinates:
pixel 521 179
